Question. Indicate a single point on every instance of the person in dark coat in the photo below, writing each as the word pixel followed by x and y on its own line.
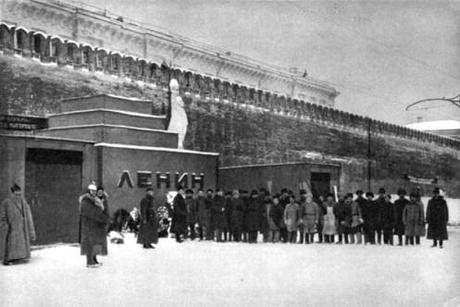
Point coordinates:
pixel 203 214
pixel 370 216
pixel 399 206
pixel 228 229
pixel 209 204
pixel 180 215
pixel 148 230
pixel 380 205
pixel 437 216
pixel 16 228
pixel 219 214
pixel 362 203
pixel 356 228
pixel 387 220
pixel 264 202
pixel 413 217
pixel 322 211
pixel 420 230
pixel 275 219
pixel 190 204
pixel 301 203
pixel 253 216
pixel 94 220
pixel 236 209
pixel 342 214
pixel 284 201
pixel 244 194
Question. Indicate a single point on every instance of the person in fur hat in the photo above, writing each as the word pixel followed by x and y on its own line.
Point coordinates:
pixel 94 219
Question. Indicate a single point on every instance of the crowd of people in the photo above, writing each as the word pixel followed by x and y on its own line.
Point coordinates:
pixel 239 216
pixel 283 217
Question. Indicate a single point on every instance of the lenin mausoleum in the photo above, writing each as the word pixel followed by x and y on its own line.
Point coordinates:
pixel 85 95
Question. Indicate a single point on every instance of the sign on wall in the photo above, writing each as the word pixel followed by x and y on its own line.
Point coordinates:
pixel 24 123
pixel 421 180
pixel 145 179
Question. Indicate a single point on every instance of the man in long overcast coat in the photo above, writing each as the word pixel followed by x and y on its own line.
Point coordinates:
pixel 16 228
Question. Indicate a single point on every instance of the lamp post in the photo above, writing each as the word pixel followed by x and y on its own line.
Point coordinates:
pixel 369 153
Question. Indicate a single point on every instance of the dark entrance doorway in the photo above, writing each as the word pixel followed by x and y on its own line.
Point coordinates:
pixel 53 183
pixel 320 184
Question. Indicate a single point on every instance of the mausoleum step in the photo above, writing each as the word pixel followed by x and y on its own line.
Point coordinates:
pixel 106 116
pixel 105 101
pixel 115 134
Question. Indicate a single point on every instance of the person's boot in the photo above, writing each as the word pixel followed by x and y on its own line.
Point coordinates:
pixel 307 238
pixel 97 262
pixel 359 237
pixel 435 243
pixel 339 237
pixel 320 237
pixel 417 240
pixel 440 244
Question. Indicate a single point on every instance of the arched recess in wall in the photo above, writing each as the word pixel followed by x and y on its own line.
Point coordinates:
pixel 102 60
pixel 21 41
pixel 142 67
pixel 88 56
pixel 40 45
pixel 73 52
pixel 115 63
pixel 57 49
pixel 6 36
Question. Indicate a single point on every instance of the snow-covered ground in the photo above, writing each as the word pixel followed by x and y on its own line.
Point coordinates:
pixel 238 274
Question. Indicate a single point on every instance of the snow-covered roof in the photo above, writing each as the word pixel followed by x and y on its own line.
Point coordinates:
pixel 436 125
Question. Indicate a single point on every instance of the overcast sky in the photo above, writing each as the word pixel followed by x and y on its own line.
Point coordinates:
pixel 381 56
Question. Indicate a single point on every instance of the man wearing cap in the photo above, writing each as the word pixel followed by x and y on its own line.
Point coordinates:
pixel 94 220
pixel 236 208
pixel 437 216
pixel 148 230
pixel 219 214
pixel 370 212
pixel 380 204
pixel 203 214
pixel 399 206
pixel 190 204
pixel 180 215
pixel 361 201
pixel 16 228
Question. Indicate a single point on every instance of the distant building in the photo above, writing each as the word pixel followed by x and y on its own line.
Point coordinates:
pixel 450 128
pixel 67 33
